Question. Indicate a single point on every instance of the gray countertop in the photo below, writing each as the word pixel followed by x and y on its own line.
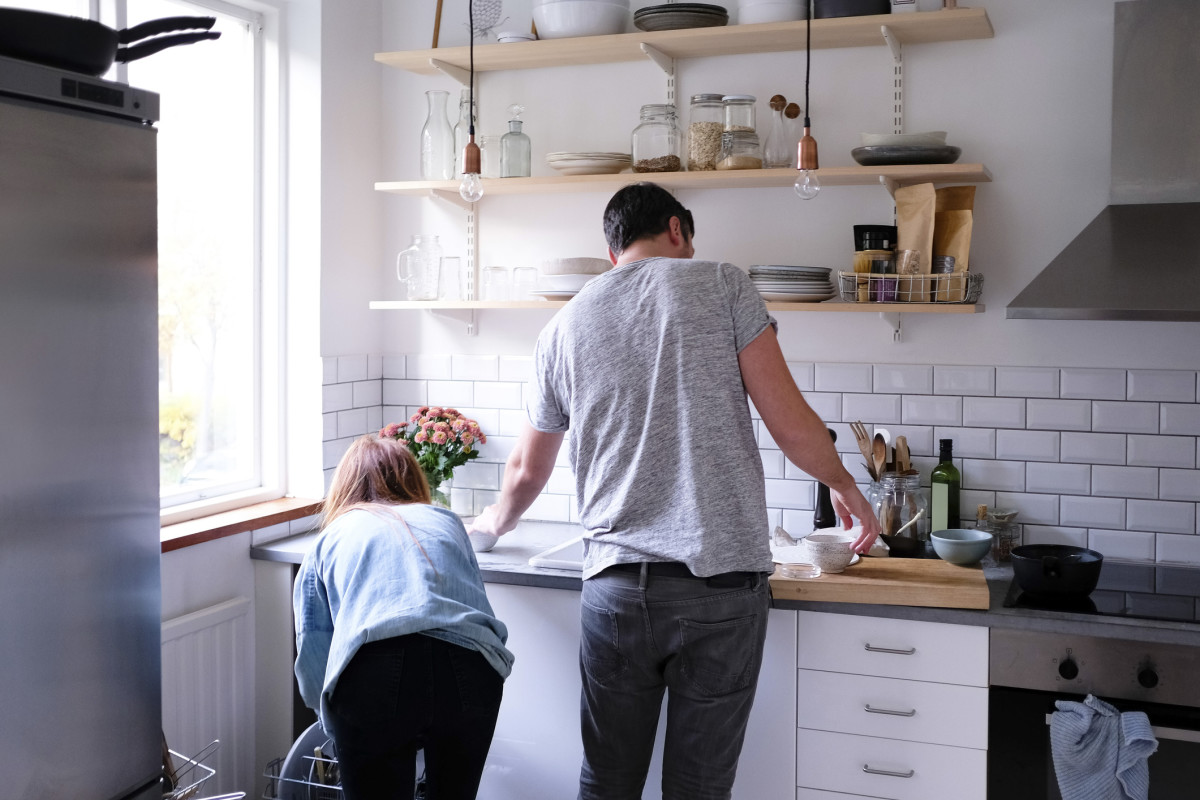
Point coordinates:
pixel 508 562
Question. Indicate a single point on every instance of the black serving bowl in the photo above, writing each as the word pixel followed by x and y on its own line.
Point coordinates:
pixel 1056 570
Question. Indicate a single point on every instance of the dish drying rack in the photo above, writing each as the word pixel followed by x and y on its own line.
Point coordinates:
pixel 872 287
pixel 308 772
pixel 184 776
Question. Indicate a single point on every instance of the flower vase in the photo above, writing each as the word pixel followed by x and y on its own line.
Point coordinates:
pixel 439 492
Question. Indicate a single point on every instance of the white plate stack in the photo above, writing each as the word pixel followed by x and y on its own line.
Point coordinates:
pixel 589 163
pixel 782 283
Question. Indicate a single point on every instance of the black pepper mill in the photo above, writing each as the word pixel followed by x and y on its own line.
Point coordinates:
pixel 824 516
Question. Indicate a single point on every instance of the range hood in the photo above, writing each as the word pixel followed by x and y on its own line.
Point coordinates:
pixel 1140 258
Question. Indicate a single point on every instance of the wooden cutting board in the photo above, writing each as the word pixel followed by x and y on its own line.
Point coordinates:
pixel 927 582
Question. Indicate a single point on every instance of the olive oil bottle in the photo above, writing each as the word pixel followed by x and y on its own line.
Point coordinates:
pixel 944 487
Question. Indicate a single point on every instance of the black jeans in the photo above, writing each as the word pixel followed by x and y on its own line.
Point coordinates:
pixel 403 694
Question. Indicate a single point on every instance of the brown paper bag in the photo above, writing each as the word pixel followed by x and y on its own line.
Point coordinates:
pixel 915 208
pixel 953 222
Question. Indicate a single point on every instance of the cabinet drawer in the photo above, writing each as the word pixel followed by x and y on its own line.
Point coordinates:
pixel 915 711
pixel 893 648
pixel 839 762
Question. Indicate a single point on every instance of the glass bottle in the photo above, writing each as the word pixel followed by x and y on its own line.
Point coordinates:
pixel 515 147
pixel 706 120
pixel 657 142
pixel 945 482
pixel 903 515
pixel 776 149
pixel 462 129
pixel 419 267
pixel 437 139
pixel 824 516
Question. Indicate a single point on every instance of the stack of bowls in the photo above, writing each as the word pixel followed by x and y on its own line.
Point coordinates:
pixel 751 12
pixel 562 19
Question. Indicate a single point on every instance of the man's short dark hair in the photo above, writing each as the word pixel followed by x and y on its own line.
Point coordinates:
pixel 640 211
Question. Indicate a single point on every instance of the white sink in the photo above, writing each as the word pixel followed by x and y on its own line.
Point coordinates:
pixel 568 555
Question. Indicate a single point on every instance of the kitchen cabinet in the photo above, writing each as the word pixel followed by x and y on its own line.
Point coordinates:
pixel 891 708
pixel 663 47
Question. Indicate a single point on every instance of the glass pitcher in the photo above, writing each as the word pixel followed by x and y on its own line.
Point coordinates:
pixel 903 514
pixel 419 267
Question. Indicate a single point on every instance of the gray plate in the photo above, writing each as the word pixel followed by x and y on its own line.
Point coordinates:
pixel 677 20
pixel 882 155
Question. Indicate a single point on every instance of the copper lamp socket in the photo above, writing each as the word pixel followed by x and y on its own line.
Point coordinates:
pixel 471 159
pixel 806 155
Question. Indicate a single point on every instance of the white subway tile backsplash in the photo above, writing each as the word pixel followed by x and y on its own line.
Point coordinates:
pixel 1050 534
pixel 1027 382
pixel 1179 419
pixel 351 368
pixel 1122 417
pixel 512 422
pixel 802 374
pixel 1092 384
pixel 1179 484
pixel 475 368
pixel 395 367
pixel 374 367
pixel 500 394
pixel 765 440
pixel 329 370
pixel 332 452
pixel 969 501
pixel 856 465
pixel 845 438
pixel 329 426
pixel 827 405
pixel 337 397
pixel 562 481
pixel 1162 385
pixel 1139 482
pixel 994 412
pixel 367 393
pixel 772 461
pixel 968 442
pixel 552 507
pixel 1058 478
pixel 790 494
pixel 1092 512
pixel 999 476
pixel 497 449
pixel 1173 549
pixel 876 409
pixel 1123 545
pixel 842 377
pixel 1093 448
pixel 352 423
pixel 488 419
pixel 1058 415
pixel 374 418
pixel 1027 445
pixel 515 368
pixel 477 475
pixel 903 378
pixel 429 367
pixel 919 437
pixel 1161 516
pixel 1162 451
pixel 405 393
pixel 976 381
pixel 1035 509
pixel 932 410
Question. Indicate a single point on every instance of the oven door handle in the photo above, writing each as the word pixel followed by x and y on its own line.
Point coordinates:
pixel 1171 734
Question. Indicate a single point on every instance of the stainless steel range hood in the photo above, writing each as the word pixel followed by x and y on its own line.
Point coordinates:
pixel 1139 259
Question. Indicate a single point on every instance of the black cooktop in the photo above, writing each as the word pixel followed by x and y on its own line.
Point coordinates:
pixel 1126 589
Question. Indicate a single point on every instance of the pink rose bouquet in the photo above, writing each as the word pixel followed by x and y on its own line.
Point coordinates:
pixel 441 439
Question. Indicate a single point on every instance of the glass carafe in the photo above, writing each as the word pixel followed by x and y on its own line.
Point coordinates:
pixel 903 514
pixel 419 267
pixel 437 139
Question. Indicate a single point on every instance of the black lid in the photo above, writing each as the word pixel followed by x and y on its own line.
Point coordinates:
pixel 947 446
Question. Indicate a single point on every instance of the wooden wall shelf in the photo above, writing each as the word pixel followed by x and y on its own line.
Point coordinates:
pixel 553 305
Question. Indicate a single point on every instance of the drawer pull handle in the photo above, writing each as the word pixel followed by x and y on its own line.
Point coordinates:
pixel 870 771
pixel 870 710
pixel 873 649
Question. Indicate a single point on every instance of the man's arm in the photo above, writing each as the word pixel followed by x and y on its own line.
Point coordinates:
pixel 800 433
pixel 525 474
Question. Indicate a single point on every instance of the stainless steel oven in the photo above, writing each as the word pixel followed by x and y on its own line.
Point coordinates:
pixel 1031 670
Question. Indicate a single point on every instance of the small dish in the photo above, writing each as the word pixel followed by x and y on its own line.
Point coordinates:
pixel 556 295
pixel 926 139
pixel 482 542
pixel 884 155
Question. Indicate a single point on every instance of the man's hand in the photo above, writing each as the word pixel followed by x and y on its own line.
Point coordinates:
pixel 488 522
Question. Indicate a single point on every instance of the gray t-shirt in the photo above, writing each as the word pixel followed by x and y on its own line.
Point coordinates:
pixel 642 368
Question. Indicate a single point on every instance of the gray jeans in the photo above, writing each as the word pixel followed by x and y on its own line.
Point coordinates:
pixel 699 640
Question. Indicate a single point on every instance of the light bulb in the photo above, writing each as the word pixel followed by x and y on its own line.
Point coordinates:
pixel 807 186
pixel 470 188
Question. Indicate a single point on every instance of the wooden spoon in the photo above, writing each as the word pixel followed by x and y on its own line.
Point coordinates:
pixel 880 453
pixel 903 459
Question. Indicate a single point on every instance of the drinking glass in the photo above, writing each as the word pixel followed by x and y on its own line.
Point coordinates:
pixel 524 283
pixel 453 286
pixel 494 284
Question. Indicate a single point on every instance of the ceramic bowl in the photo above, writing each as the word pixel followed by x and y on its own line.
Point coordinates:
pixel 771 11
pixel 832 552
pixel 569 18
pixel 563 283
pixel 926 139
pixel 575 266
pixel 961 546
pixel 482 542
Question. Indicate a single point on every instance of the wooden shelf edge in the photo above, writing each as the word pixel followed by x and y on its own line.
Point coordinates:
pixel 924 27
pixel 546 305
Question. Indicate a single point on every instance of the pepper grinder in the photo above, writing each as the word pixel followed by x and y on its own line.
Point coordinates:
pixel 824 516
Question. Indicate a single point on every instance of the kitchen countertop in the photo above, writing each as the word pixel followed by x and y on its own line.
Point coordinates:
pixel 508 563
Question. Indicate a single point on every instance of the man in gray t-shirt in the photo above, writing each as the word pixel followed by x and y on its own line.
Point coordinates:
pixel 647 371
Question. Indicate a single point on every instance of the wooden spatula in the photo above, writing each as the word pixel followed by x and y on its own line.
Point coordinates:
pixel 903 459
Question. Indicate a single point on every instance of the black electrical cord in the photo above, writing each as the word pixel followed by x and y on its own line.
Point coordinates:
pixel 807 59
pixel 471 50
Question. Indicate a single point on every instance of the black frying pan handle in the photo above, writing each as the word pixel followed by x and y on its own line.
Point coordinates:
pixel 136 51
pixel 156 26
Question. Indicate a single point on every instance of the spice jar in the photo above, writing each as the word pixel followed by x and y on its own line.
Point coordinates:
pixel 657 141
pixel 706 120
pixel 903 514
pixel 739 112
pixel 740 150
pixel 1006 534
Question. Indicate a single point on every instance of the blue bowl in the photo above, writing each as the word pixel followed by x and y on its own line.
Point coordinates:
pixel 962 546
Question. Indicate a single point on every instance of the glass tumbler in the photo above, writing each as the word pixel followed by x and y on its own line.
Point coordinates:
pixel 494 284
pixel 524 283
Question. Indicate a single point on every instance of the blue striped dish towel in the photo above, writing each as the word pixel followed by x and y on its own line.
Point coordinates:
pixel 1100 753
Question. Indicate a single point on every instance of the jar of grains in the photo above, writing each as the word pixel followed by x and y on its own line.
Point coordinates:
pixel 657 140
pixel 706 120
pixel 739 112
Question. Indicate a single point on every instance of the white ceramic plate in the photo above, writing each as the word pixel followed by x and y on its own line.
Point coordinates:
pixel 795 298
pixel 798 554
pixel 585 167
pixel 554 295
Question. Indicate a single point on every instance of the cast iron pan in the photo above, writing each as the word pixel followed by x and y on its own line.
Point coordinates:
pixel 86 46
pixel 1056 570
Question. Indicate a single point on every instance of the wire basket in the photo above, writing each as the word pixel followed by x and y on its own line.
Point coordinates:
pixel 183 776
pixel 871 287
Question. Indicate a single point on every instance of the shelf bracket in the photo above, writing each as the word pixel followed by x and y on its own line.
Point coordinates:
pixel 463 315
pixel 450 196
pixel 892 320
pixel 457 73
pixel 892 42
pixel 891 184
pixel 665 63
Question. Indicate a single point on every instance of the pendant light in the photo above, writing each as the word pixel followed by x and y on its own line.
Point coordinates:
pixel 807 185
pixel 471 186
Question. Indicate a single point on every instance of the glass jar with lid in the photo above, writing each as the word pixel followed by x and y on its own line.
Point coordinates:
pixel 739 112
pixel 740 150
pixel 903 514
pixel 706 121
pixel 657 142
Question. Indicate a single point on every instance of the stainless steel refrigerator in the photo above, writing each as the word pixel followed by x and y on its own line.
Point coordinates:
pixel 80 598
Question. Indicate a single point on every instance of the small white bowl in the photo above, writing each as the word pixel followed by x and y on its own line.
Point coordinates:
pixel 482 542
pixel 832 552
pixel 926 139
pixel 771 11
pixel 569 18
pixel 563 283
pixel 575 266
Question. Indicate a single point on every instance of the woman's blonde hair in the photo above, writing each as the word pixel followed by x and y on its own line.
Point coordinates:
pixel 374 471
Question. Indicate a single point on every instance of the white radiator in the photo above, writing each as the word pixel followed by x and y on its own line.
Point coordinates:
pixel 208 691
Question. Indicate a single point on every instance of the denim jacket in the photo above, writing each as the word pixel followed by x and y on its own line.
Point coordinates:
pixel 367 578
